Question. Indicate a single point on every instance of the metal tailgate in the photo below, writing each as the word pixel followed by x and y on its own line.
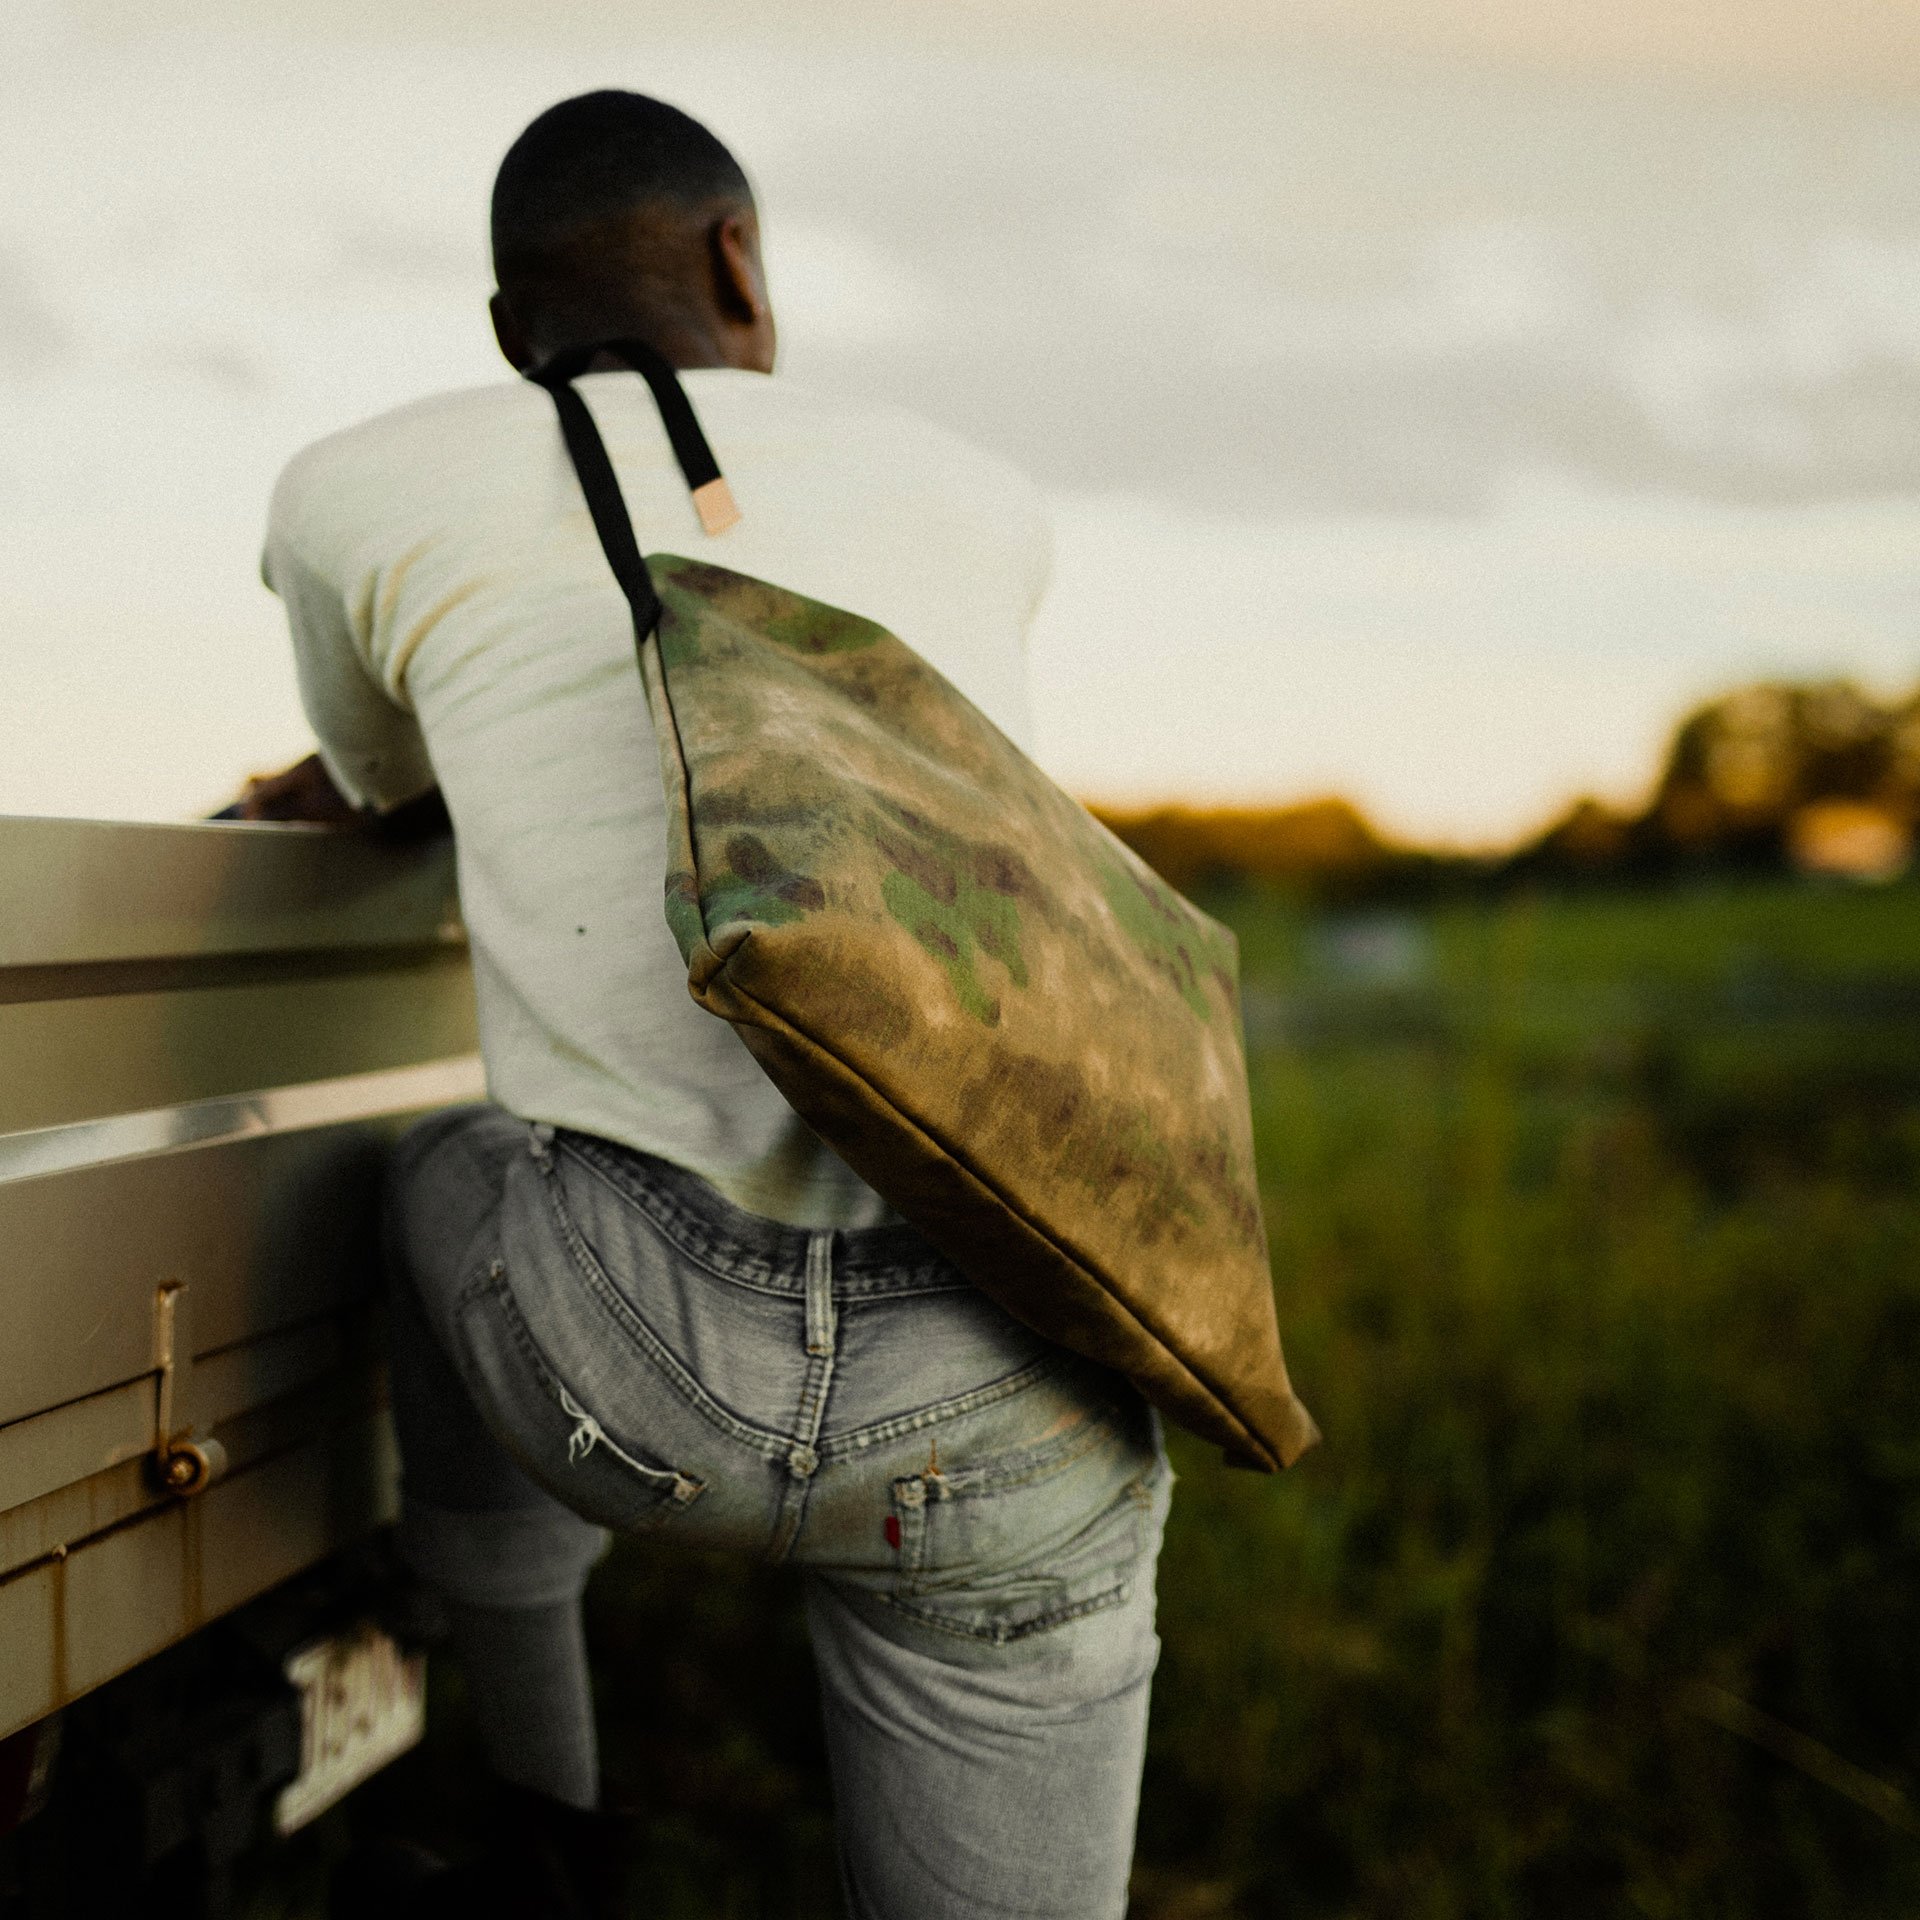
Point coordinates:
pixel 207 1036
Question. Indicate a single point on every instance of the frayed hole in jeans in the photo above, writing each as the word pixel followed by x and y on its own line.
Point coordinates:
pixel 587 1431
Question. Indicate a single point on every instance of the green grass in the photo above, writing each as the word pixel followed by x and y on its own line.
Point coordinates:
pixel 1596 1228
pixel 1597 1238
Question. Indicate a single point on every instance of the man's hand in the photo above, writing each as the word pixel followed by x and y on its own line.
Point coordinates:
pixel 304 791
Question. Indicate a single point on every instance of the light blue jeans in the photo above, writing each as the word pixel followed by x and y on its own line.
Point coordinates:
pixel 587 1338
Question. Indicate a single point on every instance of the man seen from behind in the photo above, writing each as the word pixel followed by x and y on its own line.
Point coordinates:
pixel 634 1292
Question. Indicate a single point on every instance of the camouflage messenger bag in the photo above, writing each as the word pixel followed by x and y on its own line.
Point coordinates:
pixel 1007 1024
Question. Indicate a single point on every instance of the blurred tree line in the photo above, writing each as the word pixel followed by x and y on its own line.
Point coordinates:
pixel 1777 777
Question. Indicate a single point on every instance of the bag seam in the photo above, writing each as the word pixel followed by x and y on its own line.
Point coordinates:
pixel 777 1022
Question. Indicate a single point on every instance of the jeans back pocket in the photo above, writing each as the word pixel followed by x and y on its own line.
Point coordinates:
pixel 1034 1537
pixel 551 1431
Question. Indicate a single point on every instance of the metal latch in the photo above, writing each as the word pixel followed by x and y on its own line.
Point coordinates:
pixel 185 1462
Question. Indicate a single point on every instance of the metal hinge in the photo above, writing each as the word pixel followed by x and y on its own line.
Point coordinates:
pixel 185 1462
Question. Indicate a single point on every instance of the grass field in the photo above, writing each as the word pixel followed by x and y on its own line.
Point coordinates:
pixel 1597 1236
pixel 1596 1231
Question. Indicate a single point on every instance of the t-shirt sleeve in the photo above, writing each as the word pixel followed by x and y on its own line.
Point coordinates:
pixel 370 744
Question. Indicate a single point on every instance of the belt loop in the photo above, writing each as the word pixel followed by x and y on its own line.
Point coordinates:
pixel 820 1315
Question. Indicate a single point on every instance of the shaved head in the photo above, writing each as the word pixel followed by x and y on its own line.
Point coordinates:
pixel 615 213
pixel 591 160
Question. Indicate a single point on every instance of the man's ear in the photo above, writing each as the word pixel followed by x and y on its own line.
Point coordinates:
pixel 511 335
pixel 740 288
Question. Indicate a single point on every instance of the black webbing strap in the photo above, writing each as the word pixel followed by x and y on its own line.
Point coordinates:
pixel 601 485
pixel 676 410
pixel 611 521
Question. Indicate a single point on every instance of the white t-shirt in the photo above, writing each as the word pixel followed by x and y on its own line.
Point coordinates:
pixel 454 620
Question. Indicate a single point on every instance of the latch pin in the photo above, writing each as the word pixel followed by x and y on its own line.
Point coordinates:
pixel 186 1463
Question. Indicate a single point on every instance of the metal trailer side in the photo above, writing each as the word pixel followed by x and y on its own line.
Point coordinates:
pixel 207 1036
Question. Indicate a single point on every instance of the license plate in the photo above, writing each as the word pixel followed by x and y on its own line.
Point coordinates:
pixel 362 1703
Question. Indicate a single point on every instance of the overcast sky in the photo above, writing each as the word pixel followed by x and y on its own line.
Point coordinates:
pixel 1433 396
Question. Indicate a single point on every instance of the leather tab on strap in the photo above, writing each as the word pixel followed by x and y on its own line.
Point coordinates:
pixel 715 505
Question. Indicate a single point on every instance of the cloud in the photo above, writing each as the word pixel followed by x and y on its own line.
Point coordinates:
pixel 33 336
pixel 835 288
pixel 1459 679
pixel 1750 373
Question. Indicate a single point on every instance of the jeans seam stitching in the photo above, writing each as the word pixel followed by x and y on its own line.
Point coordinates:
pixel 560 1393
pixel 1033 1374
pixel 701 1256
pixel 602 1289
pixel 686 1488
pixel 1116 1595
pixel 984 1483
pixel 653 1207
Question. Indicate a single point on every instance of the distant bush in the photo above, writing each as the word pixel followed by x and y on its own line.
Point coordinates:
pixel 1771 778
pixel 1776 776
pixel 1321 849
